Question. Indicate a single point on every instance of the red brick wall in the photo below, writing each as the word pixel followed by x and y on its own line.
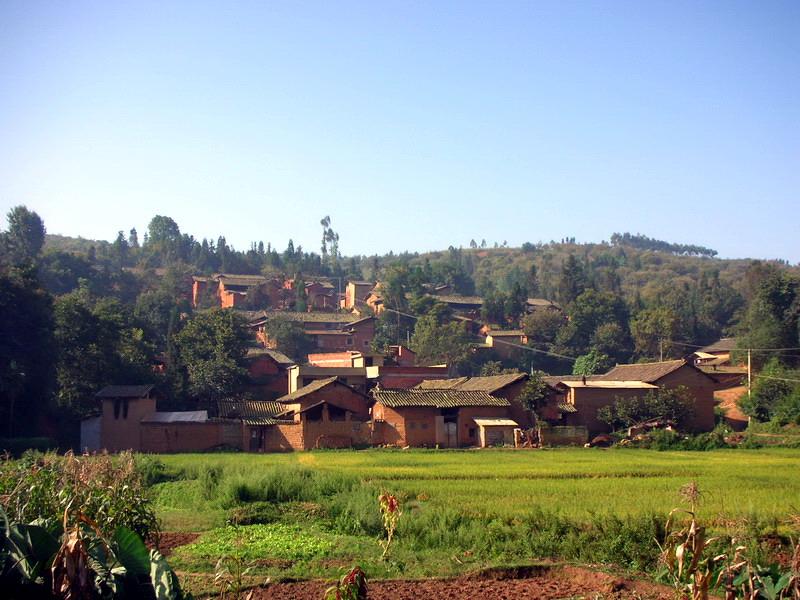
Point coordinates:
pixel 187 437
pixel 281 437
pixel 363 334
pixel 122 433
pixel 398 430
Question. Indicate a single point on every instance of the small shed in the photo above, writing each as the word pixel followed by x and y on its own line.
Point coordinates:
pixel 495 431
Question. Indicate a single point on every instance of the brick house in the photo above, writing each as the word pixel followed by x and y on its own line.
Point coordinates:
pixel 421 417
pixel 321 295
pixel 267 373
pixel 324 414
pixel 356 293
pixel 671 374
pixel 348 358
pixel 467 306
pixel 331 332
pixel 507 386
pixel 231 290
pixel 504 342
pixel 587 396
pixel 129 421
pixel 301 376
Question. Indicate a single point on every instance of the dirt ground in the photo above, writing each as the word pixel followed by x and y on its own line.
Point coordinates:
pixel 540 583
pixel 169 540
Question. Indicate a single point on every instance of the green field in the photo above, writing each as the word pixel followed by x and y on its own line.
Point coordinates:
pixel 310 514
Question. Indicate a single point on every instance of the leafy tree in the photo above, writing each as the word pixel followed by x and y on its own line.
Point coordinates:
pixel 653 329
pixel 591 363
pixel 572 282
pixel 666 404
pixel 587 314
pixel 775 395
pixel 289 337
pixel 515 303
pixel 534 393
pixel 23 241
pixel 212 346
pixel 773 318
pixel 533 281
pixel 26 357
pixel 436 342
pixel 97 344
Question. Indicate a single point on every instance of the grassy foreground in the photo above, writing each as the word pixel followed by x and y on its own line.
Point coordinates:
pixel 311 514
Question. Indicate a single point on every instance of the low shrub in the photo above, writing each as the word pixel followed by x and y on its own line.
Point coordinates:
pixel 255 513
pixel 108 490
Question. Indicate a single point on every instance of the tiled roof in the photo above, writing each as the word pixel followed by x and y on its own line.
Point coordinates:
pixel 488 384
pixel 124 391
pixel 648 372
pixel 541 302
pixel 308 389
pixel 436 398
pixel 610 385
pixel 723 345
pixel 452 299
pixel 278 357
pixel 245 280
pixel 312 317
pixel 554 380
pixel 248 409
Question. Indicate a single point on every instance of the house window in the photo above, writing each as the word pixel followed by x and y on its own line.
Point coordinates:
pixel 423 426
pixel 472 432
pixel 366 343
pixel 116 408
pixel 349 341
pixel 412 425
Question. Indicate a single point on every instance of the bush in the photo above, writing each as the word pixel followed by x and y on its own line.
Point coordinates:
pixel 108 490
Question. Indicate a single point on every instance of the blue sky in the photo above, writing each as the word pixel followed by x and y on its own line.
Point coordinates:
pixel 413 125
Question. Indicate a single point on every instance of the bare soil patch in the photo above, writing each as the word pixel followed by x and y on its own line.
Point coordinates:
pixel 539 583
pixel 169 540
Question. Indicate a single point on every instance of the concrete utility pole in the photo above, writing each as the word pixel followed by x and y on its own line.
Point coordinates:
pixel 661 349
pixel 749 374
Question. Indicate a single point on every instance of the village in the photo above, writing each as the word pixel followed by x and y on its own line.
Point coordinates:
pixel 346 395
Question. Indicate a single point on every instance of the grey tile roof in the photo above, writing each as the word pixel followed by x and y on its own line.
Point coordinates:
pixel 489 384
pixel 647 372
pixel 436 398
pixel 248 409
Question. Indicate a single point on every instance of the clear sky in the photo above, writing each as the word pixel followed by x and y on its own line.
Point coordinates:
pixel 414 125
